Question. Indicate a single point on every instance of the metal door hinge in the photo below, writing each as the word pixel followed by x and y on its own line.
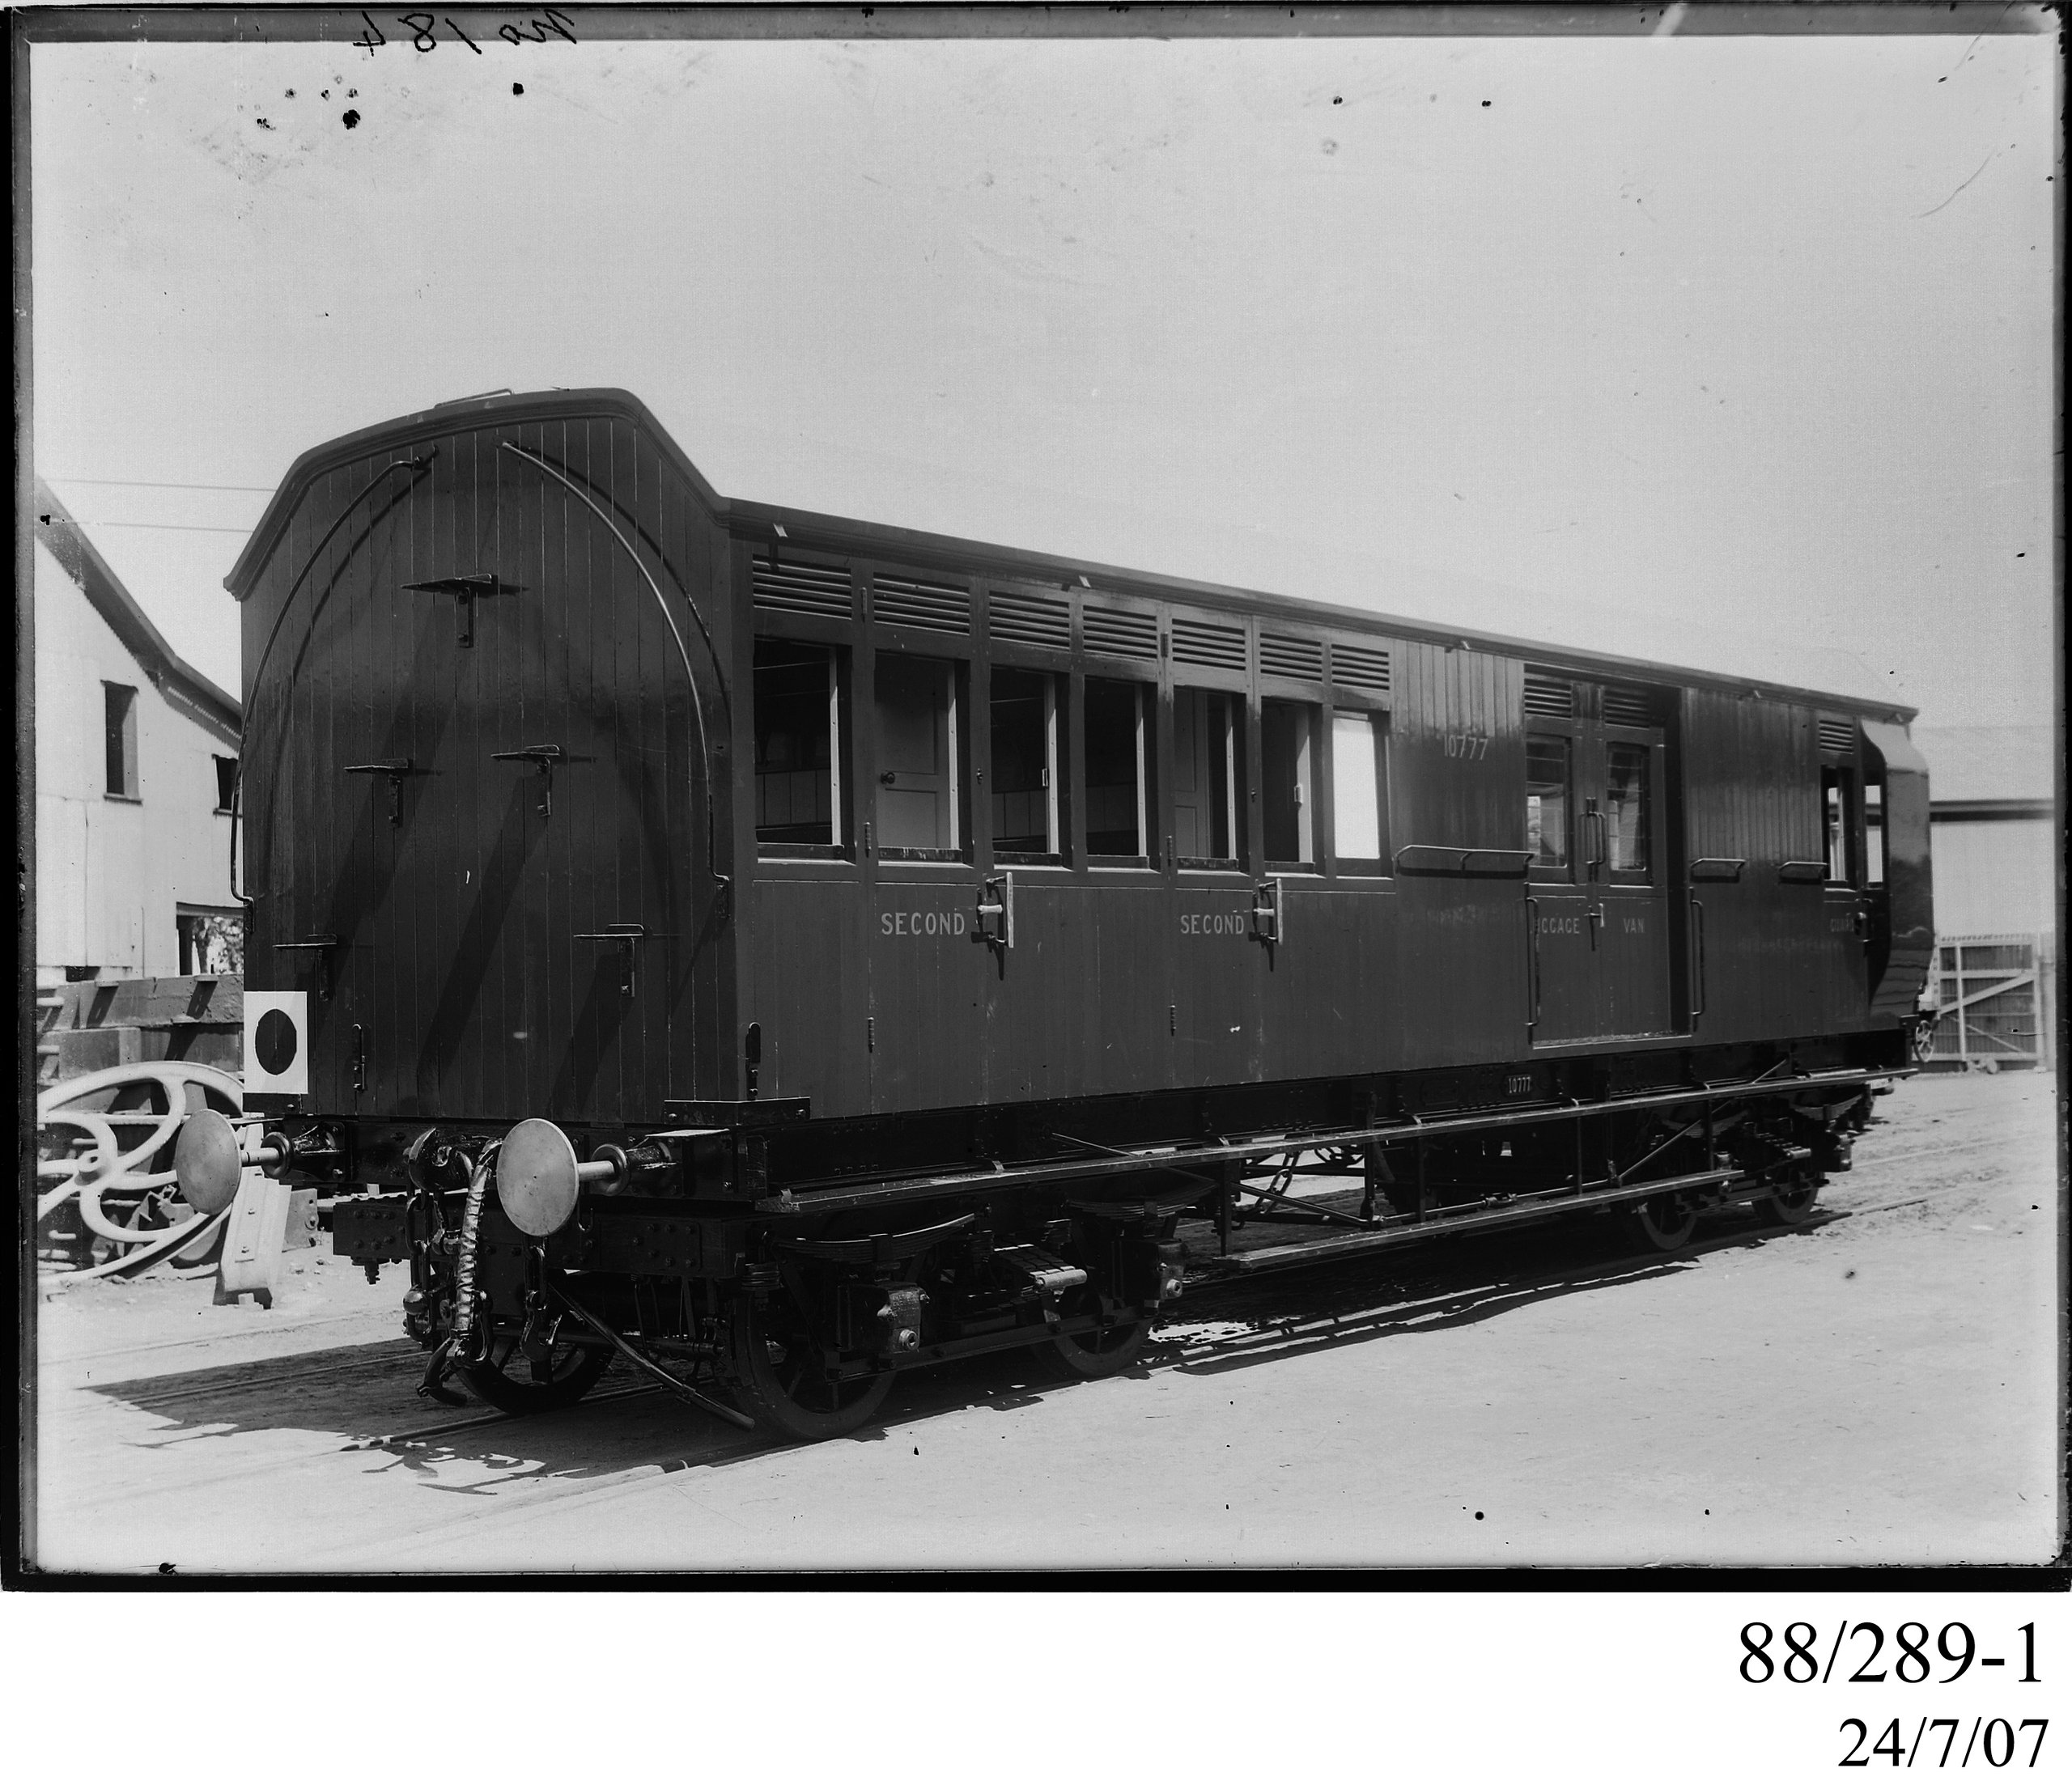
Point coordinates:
pixel 323 945
pixel 627 936
pixel 395 772
pixel 546 757
pixel 464 591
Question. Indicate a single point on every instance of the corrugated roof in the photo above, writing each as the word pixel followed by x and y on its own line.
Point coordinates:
pixel 1973 763
pixel 76 555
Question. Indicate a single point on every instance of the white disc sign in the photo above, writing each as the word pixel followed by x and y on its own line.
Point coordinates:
pixel 276 1042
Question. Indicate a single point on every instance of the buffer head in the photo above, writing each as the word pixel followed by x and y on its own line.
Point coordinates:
pixel 206 1160
pixel 536 1178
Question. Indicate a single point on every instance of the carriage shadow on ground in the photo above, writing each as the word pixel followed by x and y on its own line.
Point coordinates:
pixel 366 1395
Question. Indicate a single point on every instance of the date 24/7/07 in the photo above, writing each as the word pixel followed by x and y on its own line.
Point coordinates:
pixel 1932 1744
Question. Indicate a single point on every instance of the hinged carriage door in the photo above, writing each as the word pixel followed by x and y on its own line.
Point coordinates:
pixel 1597 903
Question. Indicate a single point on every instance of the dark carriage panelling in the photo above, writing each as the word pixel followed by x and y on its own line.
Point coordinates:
pixel 1462 948
pixel 1215 1031
pixel 1751 778
pixel 458 926
pixel 1070 1008
pixel 928 972
pixel 1331 993
pixel 1458 759
pixel 1909 913
pixel 803 954
pixel 458 962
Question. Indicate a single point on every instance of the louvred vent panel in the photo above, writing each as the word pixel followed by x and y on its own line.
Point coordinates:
pixel 1546 696
pixel 1203 643
pixel 818 590
pixel 1111 632
pixel 922 605
pixel 1355 664
pixel 1044 620
pixel 1631 704
pixel 1292 657
pixel 1838 735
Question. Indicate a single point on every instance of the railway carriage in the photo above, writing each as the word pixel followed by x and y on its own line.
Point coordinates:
pixel 778 950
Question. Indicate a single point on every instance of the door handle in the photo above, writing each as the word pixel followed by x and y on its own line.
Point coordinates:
pixel 1532 962
pixel 887 776
pixel 996 911
pixel 1270 911
pixel 1698 976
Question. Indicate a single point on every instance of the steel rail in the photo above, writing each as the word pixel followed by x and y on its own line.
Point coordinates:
pixel 832 1197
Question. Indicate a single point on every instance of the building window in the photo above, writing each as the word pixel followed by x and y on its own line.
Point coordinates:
pixel 1115 770
pixel 1024 769
pixel 1206 759
pixel 211 941
pixel 1288 743
pixel 798 744
pixel 120 703
pixel 917 758
pixel 1547 803
pixel 1358 780
pixel 226 780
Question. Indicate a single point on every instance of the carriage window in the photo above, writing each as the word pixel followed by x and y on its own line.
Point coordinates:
pixel 1836 784
pixel 1626 808
pixel 1358 780
pixel 1205 777
pixel 798 748
pixel 1287 740
pixel 1874 834
pixel 1024 769
pixel 1115 769
pixel 917 813
pixel 1547 778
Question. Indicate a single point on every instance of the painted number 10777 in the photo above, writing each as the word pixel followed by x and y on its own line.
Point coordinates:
pixel 1462 747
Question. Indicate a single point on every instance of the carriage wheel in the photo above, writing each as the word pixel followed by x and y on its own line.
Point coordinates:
pixel 508 1379
pixel 1099 1353
pixel 1662 1225
pixel 1791 1204
pixel 779 1381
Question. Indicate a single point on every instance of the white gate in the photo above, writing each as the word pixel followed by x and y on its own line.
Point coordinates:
pixel 1993 1001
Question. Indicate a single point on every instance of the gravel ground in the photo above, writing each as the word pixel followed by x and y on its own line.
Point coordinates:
pixel 1881 1389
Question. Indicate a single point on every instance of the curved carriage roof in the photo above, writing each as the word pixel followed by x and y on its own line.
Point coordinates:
pixel 759 521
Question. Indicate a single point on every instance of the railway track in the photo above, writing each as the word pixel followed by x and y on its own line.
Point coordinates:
pixel 1428 1286
pixel 1243 1319
pixel 1429 1298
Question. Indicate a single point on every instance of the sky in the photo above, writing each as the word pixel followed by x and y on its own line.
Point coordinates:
pixel 1730 351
